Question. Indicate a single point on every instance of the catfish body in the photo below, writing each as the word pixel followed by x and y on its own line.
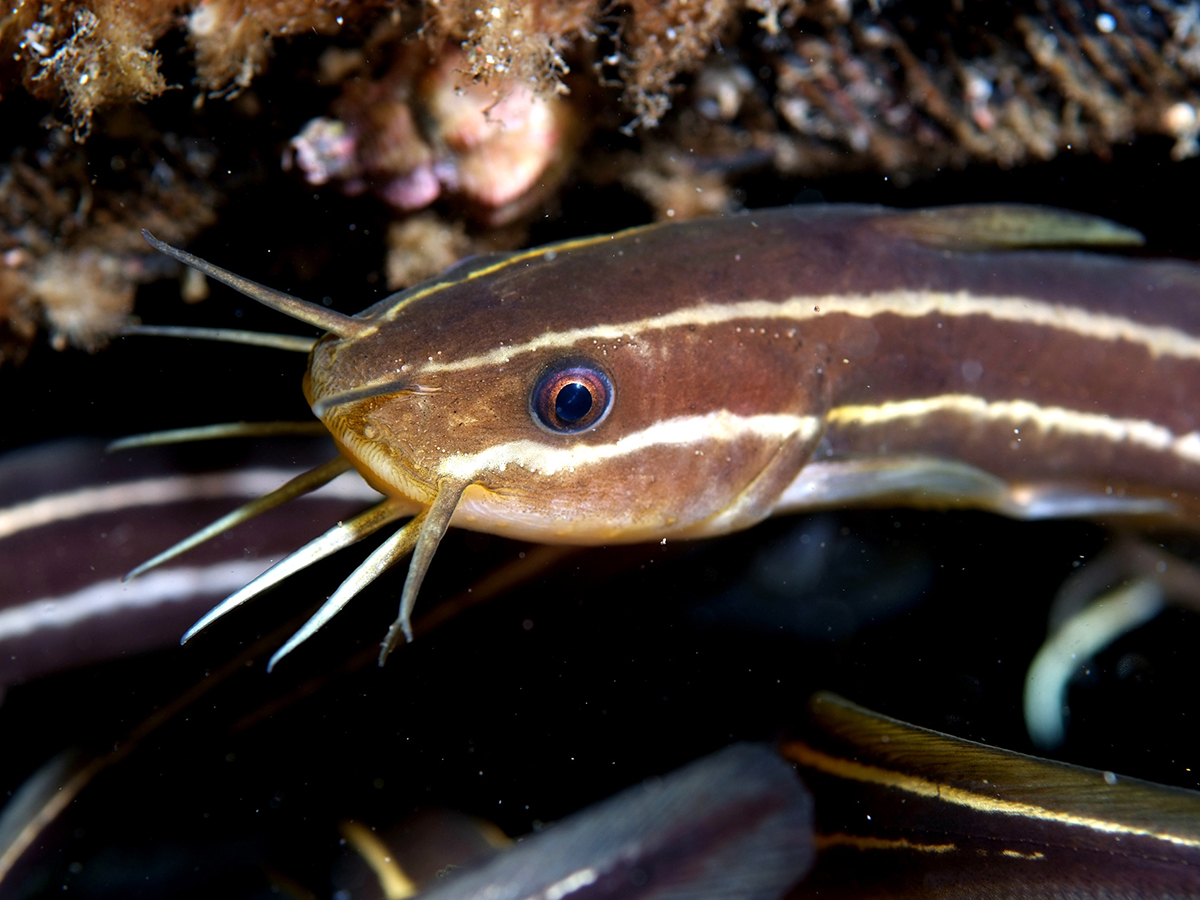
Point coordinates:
pixel 691 379
pixel 743 351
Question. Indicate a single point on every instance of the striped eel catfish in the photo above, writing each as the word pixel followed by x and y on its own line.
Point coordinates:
pixel 904 812
pixel 897 811
pixel 691 379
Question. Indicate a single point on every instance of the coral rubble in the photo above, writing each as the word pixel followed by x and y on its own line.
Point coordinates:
pixel 71 252
pixel 487 112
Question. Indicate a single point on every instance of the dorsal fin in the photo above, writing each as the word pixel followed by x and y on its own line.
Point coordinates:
pixel 326 319
pixel 1006 226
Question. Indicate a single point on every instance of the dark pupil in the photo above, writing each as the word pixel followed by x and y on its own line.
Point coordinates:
pixel 573 402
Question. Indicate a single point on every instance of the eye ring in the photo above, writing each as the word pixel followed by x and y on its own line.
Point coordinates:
pixel 571 396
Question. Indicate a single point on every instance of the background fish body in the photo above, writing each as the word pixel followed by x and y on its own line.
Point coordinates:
pixel 74 519
pixel 783 359
pixel 736 823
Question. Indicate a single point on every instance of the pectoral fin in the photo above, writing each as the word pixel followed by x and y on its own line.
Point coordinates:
pixel 929 482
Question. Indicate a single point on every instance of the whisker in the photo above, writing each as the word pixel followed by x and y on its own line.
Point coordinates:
pixel 433 528
pixel 395 548
pixel 325 404
pixel 326 319
pixel 218 431
pixel 302 484
pixel 291 342
pixel 331 541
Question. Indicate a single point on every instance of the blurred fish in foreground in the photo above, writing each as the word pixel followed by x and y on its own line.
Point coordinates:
pixel 737 823
pixel 904 812
pixel 894 811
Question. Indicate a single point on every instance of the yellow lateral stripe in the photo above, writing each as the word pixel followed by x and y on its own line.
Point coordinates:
pixel 721 425
pixel 1157 340
pixel 932 790
pixel 1139 432
pixel 550 459
pixel 1017 854
pixel 861 842
pixel 542 251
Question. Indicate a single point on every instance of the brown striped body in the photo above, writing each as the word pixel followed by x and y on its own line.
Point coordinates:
pixel 691 379
pixel 783 359
pixel 904 812
pixel 73 520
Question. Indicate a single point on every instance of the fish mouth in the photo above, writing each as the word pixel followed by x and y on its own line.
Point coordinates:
pixel 382 464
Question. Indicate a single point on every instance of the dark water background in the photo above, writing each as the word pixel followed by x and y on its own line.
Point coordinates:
pixel 614 666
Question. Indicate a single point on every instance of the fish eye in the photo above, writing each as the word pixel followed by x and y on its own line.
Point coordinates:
pixel 571 396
